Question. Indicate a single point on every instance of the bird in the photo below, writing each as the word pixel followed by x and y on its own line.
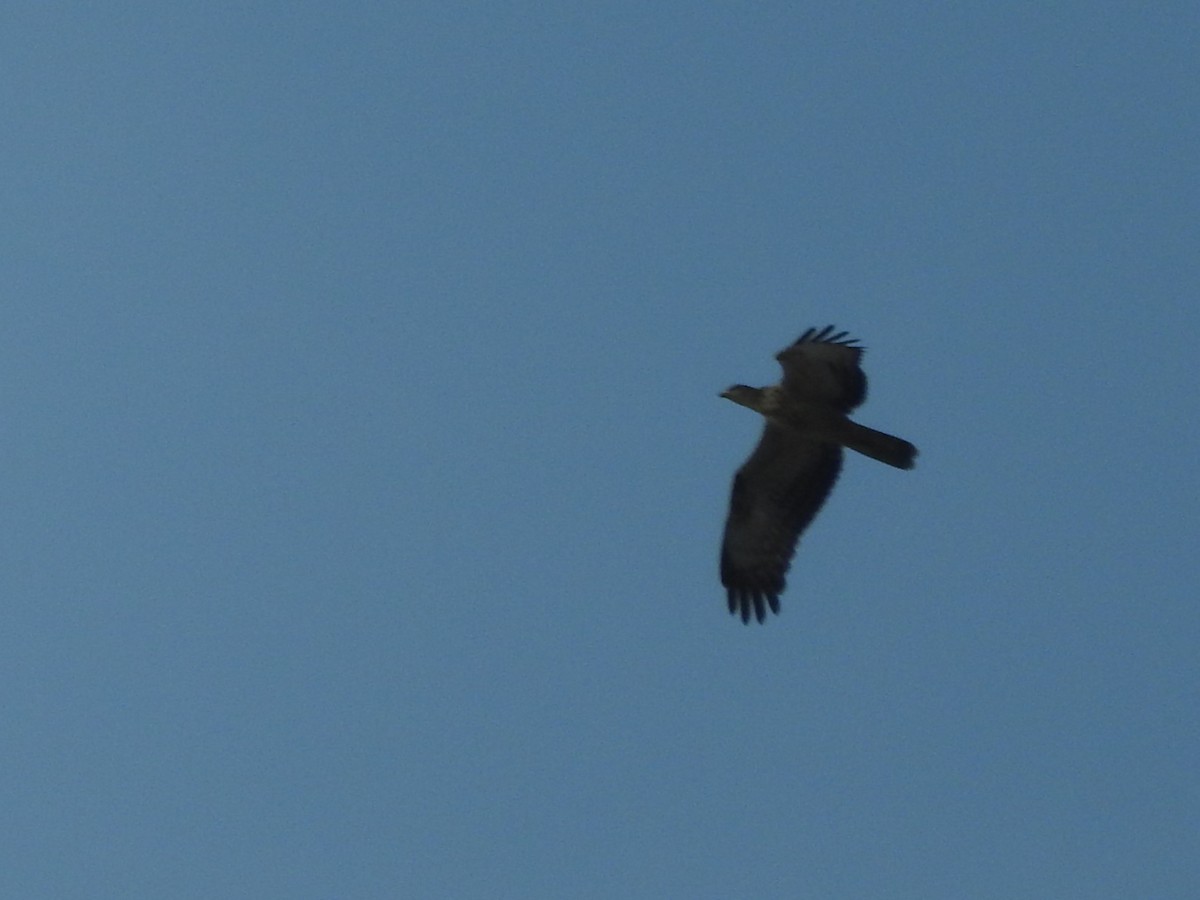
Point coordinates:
pixel 783 484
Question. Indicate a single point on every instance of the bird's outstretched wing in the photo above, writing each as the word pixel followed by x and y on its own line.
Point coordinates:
pixel 776 494
pixel 822 366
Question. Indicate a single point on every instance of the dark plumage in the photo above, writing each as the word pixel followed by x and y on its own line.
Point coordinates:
pixel 779 490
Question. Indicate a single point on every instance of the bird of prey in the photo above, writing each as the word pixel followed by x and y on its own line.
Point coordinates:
pixel 781 487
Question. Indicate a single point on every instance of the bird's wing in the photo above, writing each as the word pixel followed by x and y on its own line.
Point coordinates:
pixel 776 494
pixel 822 366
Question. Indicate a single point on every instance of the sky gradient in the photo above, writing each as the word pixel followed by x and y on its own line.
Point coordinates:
pixel 365 469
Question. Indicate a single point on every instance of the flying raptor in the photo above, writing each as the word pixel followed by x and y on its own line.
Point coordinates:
pixel 781 487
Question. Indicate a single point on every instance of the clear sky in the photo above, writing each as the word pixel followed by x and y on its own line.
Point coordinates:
pixel 364 469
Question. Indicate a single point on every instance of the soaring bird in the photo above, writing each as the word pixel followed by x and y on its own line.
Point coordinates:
pixel 782 486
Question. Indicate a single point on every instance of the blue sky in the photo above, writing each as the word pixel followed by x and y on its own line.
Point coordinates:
pixel 365 469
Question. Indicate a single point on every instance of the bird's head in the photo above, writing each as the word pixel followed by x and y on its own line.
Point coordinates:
pixel 744 395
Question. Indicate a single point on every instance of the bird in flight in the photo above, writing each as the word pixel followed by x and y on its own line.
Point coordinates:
pixel 779 490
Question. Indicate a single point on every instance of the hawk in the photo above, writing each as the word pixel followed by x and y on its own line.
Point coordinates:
pixel 781 487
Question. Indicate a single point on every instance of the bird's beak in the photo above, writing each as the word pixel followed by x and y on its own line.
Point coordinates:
pixel 725 395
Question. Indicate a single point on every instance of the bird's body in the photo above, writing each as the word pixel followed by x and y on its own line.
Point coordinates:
pixel 779 490
pixel 811 420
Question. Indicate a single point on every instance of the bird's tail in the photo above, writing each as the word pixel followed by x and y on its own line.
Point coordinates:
pixel 884 447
